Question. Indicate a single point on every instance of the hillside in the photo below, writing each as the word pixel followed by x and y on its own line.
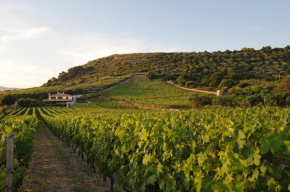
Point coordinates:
pixel 192 69
pixel 247 72
pixel 150 93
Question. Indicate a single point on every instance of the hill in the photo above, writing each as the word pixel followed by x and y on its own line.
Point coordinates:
pixel 202 69
pixel 246 72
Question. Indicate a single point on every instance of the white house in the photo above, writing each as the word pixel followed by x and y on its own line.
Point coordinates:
pixel 60 97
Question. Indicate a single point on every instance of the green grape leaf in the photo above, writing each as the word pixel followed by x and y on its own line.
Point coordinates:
pixel 257 157
pixel 152 179
pixel 241 139
pixel 144 135
pixel 219 187
pixel 255 175
pixel 287 143
pixel 146 159
pixel 271 184
pixel 263 169
pixel 264 146
pixel 276 143
pixel 199 181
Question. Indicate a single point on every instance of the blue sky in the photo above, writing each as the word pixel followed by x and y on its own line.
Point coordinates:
pixel 39 39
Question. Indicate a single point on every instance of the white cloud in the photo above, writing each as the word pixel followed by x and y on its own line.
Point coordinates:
pixel 6 7
pixel 87 47
pixel 17 34
pixel 14 27
pixel 21 75
pixel 46 51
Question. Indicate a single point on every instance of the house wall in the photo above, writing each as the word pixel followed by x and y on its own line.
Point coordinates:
pixel 60 97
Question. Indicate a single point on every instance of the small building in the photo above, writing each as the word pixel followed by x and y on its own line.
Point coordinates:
pixel 60 97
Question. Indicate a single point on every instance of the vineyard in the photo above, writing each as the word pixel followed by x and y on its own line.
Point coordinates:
pixel 197 150
pixel 158 94
pixel 21 122
pixel 207 150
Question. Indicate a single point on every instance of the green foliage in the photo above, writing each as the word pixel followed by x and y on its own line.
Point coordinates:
pixel 181 80
pixel 23 128
pixel 224 101
pixel 195 101
pixel 198 150
pixel 198 100
pixel 159 94
pixel 27 102
pixel 82 99
pixel 247 63
pixel 284 86
pixel 6 100
pixel 189 84
pixel 226 84
pixel 215 78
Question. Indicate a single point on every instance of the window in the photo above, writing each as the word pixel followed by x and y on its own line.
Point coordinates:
pixel 53 97
pixel 59 97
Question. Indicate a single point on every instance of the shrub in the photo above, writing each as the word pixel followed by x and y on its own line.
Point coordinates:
pixel 226 84
pixel 181 80
pixel 189 84
pixel 223 101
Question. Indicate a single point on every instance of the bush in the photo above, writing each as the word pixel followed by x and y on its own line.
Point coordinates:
pixel 226 84
pixel 181 80
pixel 7 100
pixel 189 84
pixel 197 101
pixel 253 100
pixel 194 101
pixel 82 99
pixel 27 102
pixel 223 101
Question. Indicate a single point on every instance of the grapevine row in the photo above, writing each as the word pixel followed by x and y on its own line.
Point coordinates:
pixel 205 150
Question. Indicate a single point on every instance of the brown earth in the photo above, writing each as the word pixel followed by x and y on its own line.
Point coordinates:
pixel 54 167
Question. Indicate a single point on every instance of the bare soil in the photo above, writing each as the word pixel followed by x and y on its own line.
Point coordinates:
pixel 54 167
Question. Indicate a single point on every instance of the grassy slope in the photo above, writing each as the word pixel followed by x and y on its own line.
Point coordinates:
pixel 150 93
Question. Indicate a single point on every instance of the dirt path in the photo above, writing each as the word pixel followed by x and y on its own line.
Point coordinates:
pixel 55 168
pixel 196 90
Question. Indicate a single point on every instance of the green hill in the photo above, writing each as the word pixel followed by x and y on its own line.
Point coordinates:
pixel 247 72
pixel 203 69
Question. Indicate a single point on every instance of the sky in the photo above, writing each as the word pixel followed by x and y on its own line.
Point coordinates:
pixel 40 39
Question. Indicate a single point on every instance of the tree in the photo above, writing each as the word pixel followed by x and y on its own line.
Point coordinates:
pixel 226 84
pixel 181 80
pixel 26 102
pixel 215 78
pixel 7 100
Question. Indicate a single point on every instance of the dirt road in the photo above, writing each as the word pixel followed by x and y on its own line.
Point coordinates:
pixel 55 168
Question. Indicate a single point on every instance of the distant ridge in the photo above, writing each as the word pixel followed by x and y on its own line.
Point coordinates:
pixel 7 88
